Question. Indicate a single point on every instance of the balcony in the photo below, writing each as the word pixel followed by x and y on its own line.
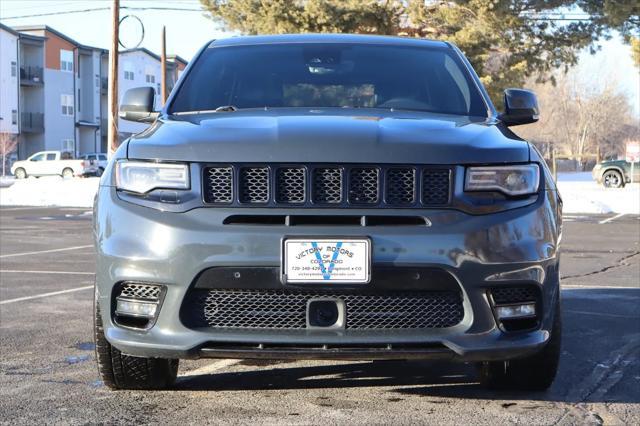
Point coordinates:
pixel 32 122
pixel 31 76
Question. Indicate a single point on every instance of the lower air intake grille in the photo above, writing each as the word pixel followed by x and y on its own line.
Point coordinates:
pixel 286 309
pixel 435 186
pixel 139 291
pixel 510 295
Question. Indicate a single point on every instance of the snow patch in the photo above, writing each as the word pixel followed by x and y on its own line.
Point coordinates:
pixel 50 191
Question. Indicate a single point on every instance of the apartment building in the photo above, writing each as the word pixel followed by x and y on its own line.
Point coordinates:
pixel 54 89
pixel 9 81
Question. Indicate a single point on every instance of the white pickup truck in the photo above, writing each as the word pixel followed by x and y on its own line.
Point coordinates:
pixel 46 163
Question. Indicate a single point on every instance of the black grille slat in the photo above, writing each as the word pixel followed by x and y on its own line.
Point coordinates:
pixel 327 185
pixel 400 186
pixel 508 295
pixel 286 309
pixel 291 185
pixel 436 184
pixel 254 185
pixel 364 184
pixel 220 188
pixel 330 185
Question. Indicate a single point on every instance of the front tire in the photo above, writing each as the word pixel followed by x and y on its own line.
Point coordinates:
pixel 533 373
pixel 612 179
pixel 119 371
pixel 67 173
pixel 21 173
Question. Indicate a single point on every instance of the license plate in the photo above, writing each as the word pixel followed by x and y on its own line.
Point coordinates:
pixel 327 260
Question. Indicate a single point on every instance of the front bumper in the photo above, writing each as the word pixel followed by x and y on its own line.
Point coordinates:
pixel 172 249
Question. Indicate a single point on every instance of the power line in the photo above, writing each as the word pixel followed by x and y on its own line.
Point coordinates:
pixel 97 9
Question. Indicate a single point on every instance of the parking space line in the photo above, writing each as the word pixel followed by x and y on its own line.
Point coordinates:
pixel 45 251
pixel 611 219
pixel 39 296
pixel 207 369
pixel 17 271
pixel 597 287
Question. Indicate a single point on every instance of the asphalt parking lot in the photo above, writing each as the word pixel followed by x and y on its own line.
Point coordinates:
pixel 48 373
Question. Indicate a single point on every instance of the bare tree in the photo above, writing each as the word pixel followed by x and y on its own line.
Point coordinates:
pixel 8 144
pixel 580 122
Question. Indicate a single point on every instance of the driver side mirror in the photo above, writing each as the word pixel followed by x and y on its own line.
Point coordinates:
pixel 137 105
pixel 520 107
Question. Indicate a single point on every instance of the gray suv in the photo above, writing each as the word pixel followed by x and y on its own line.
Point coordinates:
pixel 327 197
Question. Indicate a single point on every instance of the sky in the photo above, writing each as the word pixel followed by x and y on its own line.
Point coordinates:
pixel 188 30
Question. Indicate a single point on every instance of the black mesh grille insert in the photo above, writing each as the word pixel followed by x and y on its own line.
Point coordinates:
pixel 220 185
pixel 291 185
pixel 363 185
pixel 327 185
pixel 400 186
pixel 139 291
pixel 254 184
pixel 508 295
pixel 435 186
pixel 286 309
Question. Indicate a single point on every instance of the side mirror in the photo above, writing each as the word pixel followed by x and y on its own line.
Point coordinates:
pixel 137 105
pixel 520 107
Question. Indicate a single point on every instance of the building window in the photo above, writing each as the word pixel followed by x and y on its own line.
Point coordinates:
pixel 14 116
pixel 67 145
pixel 158 89
pixel 66 101
pixel 66 60
pixel 150 78
pixel 128 71
pixel 14 69
pixel 79 101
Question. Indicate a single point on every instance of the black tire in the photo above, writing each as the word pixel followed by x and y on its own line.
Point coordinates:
pixel 21 173
pixel 67 173
pixel 533 373
pixel 612 179
pixel 119 371
pixel 99 172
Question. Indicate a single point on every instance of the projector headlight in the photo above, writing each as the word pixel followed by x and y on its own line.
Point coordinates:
pixel 141 177
pixel 511 180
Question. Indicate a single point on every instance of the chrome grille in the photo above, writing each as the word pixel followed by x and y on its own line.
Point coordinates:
pixel 139 291
pixel 363 185
pixel 327 185
pixel 286 309
pixel 291 185
pixel 400 186
pixel 337 186
pixel 436 186
pixel 254 183
pixel 220 185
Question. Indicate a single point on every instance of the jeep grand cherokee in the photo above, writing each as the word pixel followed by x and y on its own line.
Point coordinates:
pixel 327 197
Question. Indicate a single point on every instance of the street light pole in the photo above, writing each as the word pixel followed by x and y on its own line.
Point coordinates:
pixel 163 66
pixel 112 94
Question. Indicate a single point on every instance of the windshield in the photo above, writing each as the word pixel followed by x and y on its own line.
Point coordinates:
pixel 330 75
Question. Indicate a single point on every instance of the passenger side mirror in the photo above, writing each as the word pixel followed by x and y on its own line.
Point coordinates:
pixel 137 105
pixel 520 107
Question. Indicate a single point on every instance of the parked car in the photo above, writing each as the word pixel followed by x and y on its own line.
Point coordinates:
pixel 49 163
pixel 328 197
pixel 99 160
pixel 615 173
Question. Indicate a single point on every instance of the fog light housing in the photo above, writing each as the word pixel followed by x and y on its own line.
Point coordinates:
pixel 135 308
pixel 525 310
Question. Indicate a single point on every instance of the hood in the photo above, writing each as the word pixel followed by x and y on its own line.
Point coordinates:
pixel 328 136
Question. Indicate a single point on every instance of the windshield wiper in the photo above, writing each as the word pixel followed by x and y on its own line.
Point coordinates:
pixel 226 108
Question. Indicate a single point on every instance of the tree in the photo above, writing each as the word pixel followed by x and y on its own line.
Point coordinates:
pixel 506 41
pixel 8 144
pixel 580 122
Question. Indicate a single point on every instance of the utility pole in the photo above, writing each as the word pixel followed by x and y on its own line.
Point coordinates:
pixel 112 95
pixel 163 67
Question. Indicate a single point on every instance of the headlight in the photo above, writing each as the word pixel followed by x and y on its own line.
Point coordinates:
pixel 141 177
pixel 511 180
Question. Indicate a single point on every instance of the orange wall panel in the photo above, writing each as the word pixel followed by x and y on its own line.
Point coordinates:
pixel 53 46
